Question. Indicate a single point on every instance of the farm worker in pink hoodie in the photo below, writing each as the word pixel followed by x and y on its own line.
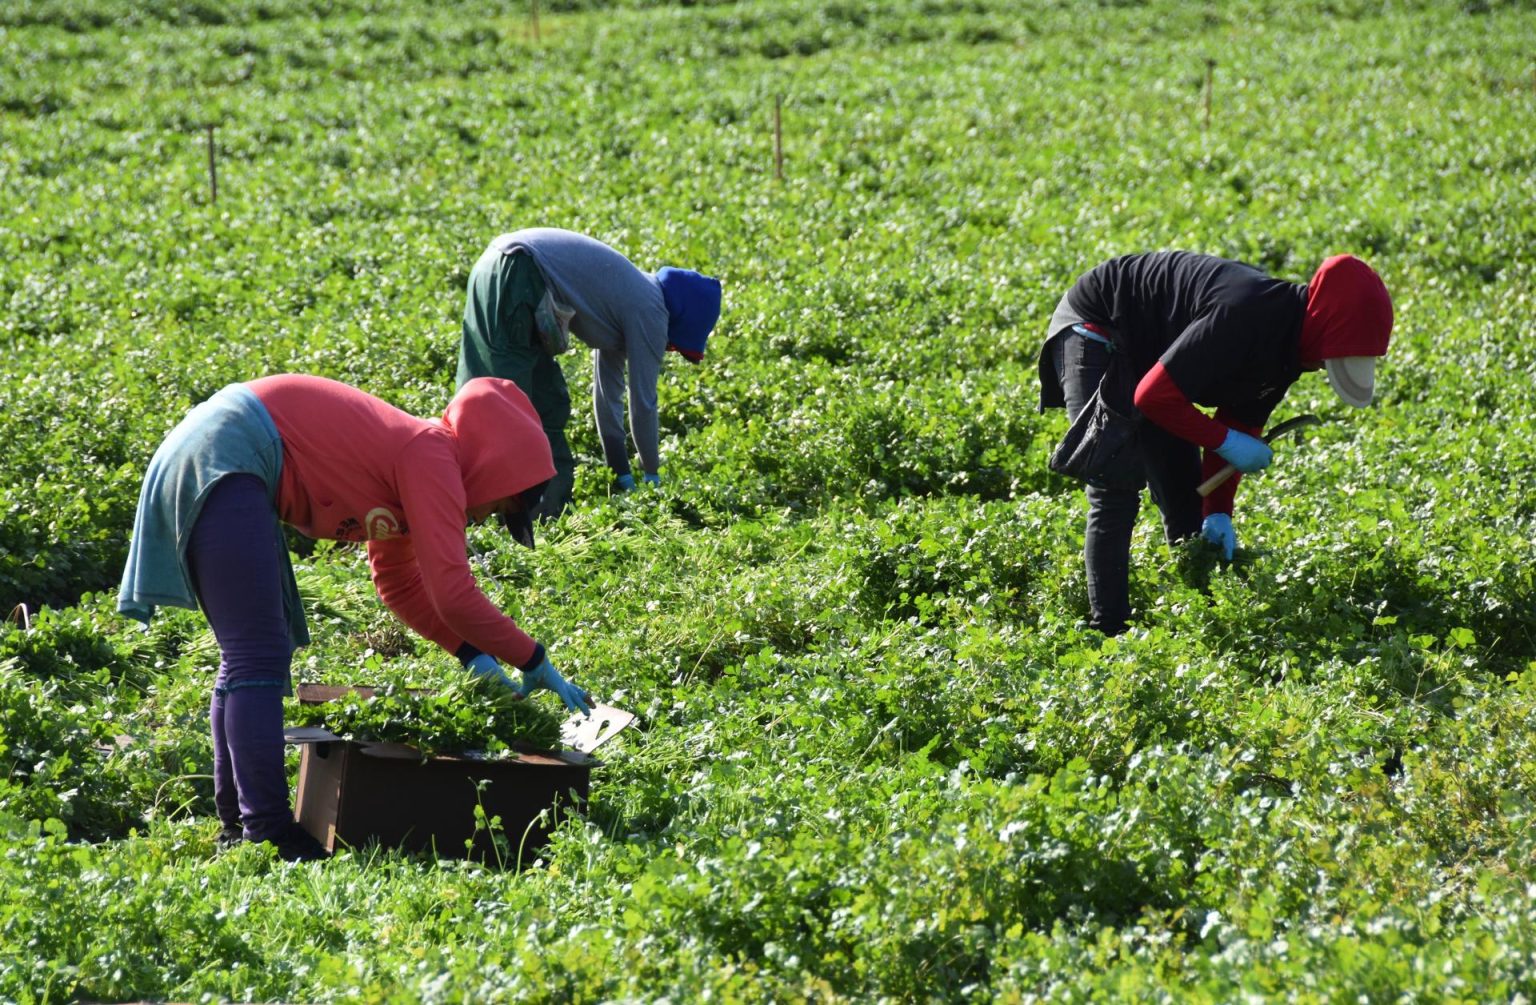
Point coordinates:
pixel 333 462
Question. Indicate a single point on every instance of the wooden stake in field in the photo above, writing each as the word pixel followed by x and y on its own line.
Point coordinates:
pixel 213 168
pixel 1210 86
pixel 533 17
pixel 778 137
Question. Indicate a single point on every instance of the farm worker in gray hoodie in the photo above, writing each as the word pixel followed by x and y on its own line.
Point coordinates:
pixel 532 289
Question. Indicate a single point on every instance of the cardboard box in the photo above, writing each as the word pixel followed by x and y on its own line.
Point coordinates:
pixel 353 793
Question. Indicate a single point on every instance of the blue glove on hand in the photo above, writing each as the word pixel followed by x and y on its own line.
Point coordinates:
pixel 545 676
pixel 625 482
pixel 1217 529
pixel 1245 453
pixel 484 667
pixel 650 479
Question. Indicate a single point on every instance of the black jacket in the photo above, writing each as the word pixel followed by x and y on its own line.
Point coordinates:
pixel 1227 334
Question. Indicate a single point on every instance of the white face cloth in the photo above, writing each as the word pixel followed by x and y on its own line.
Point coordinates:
pixel 1353 378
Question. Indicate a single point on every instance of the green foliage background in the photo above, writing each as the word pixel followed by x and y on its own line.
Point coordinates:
pixel 880 757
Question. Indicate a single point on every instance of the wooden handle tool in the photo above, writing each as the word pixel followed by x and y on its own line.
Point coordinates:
pixel 1288 426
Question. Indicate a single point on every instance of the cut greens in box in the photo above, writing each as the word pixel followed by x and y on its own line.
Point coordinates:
pixel 456 718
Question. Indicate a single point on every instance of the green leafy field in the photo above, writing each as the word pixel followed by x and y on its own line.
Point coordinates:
pixel 879 758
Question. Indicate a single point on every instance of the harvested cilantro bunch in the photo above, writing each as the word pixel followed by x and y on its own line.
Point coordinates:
pixel 463 715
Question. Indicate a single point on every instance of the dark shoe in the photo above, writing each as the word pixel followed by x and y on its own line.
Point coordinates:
pixel 230 836
pixel 297 845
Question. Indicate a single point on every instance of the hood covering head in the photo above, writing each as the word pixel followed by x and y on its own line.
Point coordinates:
pixel 693 307
pixel 502 447
pixel 1347 326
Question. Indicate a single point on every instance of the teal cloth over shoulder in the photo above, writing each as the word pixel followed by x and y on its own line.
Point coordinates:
pixel 230 433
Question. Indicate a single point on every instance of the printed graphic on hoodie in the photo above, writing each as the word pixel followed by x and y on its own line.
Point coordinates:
pixel 381 524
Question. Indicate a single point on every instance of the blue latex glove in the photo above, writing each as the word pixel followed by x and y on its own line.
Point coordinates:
pixel 625 482
pixel 650 479
pixel 484 667
pixel 545 676
pixel 1245 453
pixel 1217 529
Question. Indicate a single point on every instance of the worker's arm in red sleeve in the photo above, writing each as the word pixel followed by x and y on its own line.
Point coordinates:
pixel 1224 495
pixel 1159 399
pixel 442 593
pixel 397 580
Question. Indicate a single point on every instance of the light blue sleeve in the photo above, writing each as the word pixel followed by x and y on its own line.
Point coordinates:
pixel 608 407
pixel 644 420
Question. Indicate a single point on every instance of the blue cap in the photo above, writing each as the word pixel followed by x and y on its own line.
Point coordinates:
pixel 693 307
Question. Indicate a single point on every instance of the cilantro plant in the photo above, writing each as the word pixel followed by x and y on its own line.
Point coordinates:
pixel 879 757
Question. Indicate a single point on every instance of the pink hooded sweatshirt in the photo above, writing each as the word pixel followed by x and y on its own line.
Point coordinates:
pixel 356 468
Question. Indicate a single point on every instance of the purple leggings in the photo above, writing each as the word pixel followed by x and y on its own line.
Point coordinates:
pixel 237 572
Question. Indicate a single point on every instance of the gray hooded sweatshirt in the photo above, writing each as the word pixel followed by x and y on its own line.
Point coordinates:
pixel 620 313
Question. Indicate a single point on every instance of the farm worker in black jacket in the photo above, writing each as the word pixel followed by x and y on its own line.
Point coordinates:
pixel 532 289
pixel 1154 335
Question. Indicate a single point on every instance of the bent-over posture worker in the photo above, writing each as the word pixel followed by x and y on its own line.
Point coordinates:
pixel 1156 334
pixel 333 462
pixel 532 289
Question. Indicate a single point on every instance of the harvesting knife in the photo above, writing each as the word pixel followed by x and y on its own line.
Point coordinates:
pixel 1288 426
pixel 585 734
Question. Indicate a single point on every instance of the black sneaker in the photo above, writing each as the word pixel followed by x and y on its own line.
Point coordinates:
pixel 229 836
pixel 297 845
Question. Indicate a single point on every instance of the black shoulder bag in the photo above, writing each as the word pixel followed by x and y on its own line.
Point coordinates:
pixel 1100 445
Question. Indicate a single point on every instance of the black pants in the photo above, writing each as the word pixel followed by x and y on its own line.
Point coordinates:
pixel 1167 465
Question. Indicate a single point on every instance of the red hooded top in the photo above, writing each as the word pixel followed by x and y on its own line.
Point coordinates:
pixel 1349 312
pixel 356 468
